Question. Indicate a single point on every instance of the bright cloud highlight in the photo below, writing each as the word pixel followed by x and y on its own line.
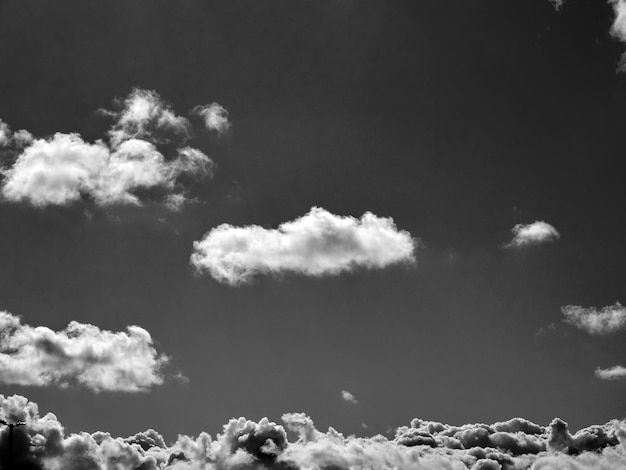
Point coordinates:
pixel 81 354
pixel 349 397
pixel 316 244
pixel 532 234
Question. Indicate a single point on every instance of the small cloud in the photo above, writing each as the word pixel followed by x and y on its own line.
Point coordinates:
pixel 347 396
pixel 215 117
pixel 618 28
pixel 532 234
pixel 607 320
pixel 81 354
pixel 611 373
pixel 316 244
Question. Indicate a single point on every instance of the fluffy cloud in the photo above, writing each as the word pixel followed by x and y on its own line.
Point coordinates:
pixel 596 322
pixel 316 244
pixel 532 234
pixel 215 117
pixel 81 354
pixel 264 445
pixel 611 373
pixel 618 29
pixel 144 115
pixel 347 396
pixel 128 169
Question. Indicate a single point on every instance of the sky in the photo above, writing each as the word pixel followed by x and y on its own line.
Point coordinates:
pixel 367 212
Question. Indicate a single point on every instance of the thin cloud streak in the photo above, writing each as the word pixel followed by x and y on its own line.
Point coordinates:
pixel 80 355
pixel 316 244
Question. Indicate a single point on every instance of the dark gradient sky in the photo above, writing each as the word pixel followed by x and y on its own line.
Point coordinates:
pixel 457 119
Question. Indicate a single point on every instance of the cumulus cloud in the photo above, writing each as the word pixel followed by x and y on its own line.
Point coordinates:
pixel 532 234
pixel 607 320
pixel 215 117
pixel 618 28
pixel 611 373
pixel 316 244
pixel 264 445
pixel 347 396
pixel 81 354
pixel 130 168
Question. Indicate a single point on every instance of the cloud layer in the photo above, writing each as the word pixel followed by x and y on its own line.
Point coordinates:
pixel 532 234
pixel 516 444
pixel 316 244
pixel 81 354
pixel 129 169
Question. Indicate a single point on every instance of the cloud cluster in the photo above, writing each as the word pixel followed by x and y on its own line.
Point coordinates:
pixel 607 320
pixel 532 234
pixel 128 169
pixel 81 354
pixel 316 244
pixel 516 444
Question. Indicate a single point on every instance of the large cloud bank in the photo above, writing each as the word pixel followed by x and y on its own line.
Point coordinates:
pixel 81 354
pixel 516 444
pixel 316 244
pixel 128 169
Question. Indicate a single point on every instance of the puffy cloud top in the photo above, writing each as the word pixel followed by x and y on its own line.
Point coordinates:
pixel 215 117
pixel 609 319
pixel 264 445
pixel 532 234
pixel 316 244
pixel 81 354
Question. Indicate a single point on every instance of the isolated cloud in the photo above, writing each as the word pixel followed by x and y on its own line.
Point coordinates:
pixel 215 117
pixel 130 168
pixel 64 169
pixel 532 234
pixel 264 445
pixel 347 396
pixel 607 320
pixel 316 244
pixel 81 354
pixel 618 28
pixel 611 373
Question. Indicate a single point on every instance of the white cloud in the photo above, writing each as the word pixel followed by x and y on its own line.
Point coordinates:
pixel 611 373
pixel 316 244
pixel 81 354
pixel 144 115
pixel 64 168
pixel 17 139
pixel 532 234
pixel 214 115
pixel 5 133
pixel 618 29
pixel 347 396
pixel 596 322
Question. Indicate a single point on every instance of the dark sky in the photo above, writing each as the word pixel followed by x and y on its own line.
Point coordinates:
pixel 458 119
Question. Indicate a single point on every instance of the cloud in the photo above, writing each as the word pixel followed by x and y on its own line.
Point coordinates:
pixel 129 169
pixel 611 373
pixel 144 115
pixel 532 234
pixel 64 169
pixel 81 354
pixel 618 28
pixel 609 319
pixel 316 244
pixel 264 445
pixel 347 396
pixel 215 117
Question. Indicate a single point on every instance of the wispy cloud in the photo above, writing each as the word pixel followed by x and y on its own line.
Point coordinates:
pixel 349 397
pixel 215 117
pixel 611 373
pixel 316 244
pixel 265 445
pixel 81 354
pixel 532 234
pixel 607 320
pixel 129 169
